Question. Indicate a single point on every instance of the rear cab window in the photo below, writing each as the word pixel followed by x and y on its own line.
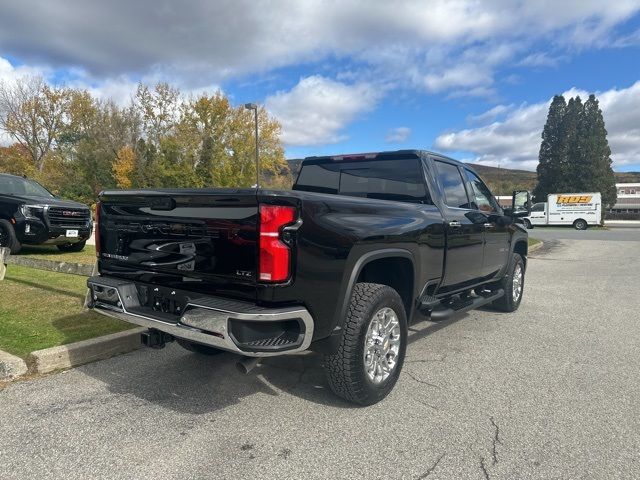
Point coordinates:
pixel 396 179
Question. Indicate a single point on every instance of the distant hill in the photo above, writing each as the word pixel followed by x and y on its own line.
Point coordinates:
pixel 502 181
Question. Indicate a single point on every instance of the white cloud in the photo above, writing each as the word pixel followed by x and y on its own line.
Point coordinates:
pixel 201 42
pixel 398 135
pixel 491 114
pixel 515 141
pixel 539 59
pixel 317 109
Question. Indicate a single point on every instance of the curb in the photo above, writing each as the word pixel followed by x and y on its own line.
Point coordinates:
pixel 11 366
pixel 52 266
pixel 535 247
pixel 79 353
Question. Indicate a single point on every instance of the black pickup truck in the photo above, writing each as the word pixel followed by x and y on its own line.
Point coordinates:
pixel 362 245
pixel 31 215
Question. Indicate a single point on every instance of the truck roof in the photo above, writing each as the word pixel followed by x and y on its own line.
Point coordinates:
pixel 376 155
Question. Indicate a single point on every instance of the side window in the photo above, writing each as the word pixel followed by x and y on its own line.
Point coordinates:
pixel 538 207
pixel 483 200
pixel 449 177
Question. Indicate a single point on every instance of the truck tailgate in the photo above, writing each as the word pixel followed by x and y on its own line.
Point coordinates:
pixel 206 239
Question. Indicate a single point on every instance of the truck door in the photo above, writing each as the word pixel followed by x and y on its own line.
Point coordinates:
pixel 464 245
pixel 496 232
pixel 538 214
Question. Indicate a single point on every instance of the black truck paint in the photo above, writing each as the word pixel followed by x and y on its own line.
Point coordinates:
pixel 31 215
pixel 178 252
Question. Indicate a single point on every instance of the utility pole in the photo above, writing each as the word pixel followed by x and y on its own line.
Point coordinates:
pixel 254 107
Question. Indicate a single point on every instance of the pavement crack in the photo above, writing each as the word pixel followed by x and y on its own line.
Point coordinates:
pixel 483 467
pixel 496 440
pixel 422 381
pixel 431 468
pixel 427 360
pixel 433 407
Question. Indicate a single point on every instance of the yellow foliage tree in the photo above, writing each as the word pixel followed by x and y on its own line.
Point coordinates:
pixel 123 167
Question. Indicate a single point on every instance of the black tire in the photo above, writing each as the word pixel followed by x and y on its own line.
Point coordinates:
pixel 508 303
pixel 528 224
pixel 346 370
pixel 198 347
pixel 72 247
pixel 8 237
pixel 580 224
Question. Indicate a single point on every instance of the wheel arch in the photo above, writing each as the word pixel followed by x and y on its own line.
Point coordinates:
pixel 374 267
pixel 521 247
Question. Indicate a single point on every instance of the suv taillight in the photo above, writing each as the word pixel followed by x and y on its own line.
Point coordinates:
pixel 275 255
pixel 96 232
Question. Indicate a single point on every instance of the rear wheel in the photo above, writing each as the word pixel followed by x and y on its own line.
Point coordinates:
pixel 72 247
pixel 8 237
pixel 198 347
pixel 580 224
pixel 513 286
pixel 371 354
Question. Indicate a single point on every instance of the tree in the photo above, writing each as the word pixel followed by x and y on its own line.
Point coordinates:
pixel 78 145
pixel 551 154
pixel 594 148
pixel 123 167
pixel 574 153
pixel 16 161
pixel 33 114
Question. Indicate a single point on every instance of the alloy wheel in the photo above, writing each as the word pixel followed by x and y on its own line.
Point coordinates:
pixel 517 282
pixel 382 345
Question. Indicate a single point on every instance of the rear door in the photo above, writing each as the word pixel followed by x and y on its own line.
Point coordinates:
pixel 464 229
pixel 205 240
pixel 496 232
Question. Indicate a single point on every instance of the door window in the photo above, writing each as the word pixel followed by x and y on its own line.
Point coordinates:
pixel 450 178
pixel 483 200
pixel 538 207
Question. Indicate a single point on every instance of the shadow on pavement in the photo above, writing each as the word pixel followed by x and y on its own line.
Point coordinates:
pixel 190 383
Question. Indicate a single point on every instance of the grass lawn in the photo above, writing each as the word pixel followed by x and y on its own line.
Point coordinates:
pixel 533 241
pixel 50 252
pixel 40 309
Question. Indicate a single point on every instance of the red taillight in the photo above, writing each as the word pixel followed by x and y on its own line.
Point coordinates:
pixel 275 256
pixel 96 231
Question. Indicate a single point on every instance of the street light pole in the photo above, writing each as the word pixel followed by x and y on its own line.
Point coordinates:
pixel 254 107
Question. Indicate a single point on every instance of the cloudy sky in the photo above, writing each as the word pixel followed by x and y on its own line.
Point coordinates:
pixel 466 77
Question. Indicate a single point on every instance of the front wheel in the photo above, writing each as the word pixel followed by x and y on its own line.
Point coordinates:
pixel 374 341
pixel 8 237
pixel 528 224
pixel 513 286
pixel 72 247
pixel 580 224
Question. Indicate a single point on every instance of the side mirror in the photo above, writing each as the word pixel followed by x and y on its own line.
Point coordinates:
pixel 520 204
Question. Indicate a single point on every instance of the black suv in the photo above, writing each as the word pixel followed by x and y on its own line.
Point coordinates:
pixel 31 215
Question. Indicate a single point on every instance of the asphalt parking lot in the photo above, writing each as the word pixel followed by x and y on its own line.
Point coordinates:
pixel 548 392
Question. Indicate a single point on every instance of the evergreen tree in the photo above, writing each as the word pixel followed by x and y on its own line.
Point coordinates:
pixel 574 153
pixel 596 174
pixel 572 159
pixel 551 150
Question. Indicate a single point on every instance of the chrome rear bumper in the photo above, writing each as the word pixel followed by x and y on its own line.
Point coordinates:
pixel 206 320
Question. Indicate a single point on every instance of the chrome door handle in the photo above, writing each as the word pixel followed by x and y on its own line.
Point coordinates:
pixel 455 224
pixel 489 225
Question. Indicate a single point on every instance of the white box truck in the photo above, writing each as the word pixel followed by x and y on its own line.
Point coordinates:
pixel 577 209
